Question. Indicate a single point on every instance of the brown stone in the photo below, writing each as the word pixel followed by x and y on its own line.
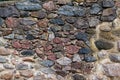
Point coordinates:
pixel 52 57
pixel 6 75
pixel 11 22
pixel 4 51
pixel 112 69
pixel 39 14
pixel 49 5
pixel 48 47
pixel 16 44
pixel 26 73
pixel 72 49
pixel 28 59
pixel 118 45
pixel 43 23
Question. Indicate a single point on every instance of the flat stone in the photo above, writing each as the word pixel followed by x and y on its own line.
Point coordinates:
pixel 84 50
pixel 8 66
pixel 30 37
pixel 51 57
pixel 9 11
pixel 108 14
pixel 27 21
pixel 108 3
pixel 71 49
pixel 47 63
pixel 71 20
pixel 1 21
pixel 57 21
pixel 64 61
pixel 47 70
pixel 57 40
pixel 93 21
pixel 10 36
pixel 11 22
pixel 112 69
pixel 105 26
pixel 21 66
pixel 56 28
pixel 100 44
pixel 26 73
pixel 81 36
pixel 52 15
pixel 43 23
pixel 81 23
pixel 114 57
pixel 3 59
pixel 3 42
pixel 28 53
pixel 49 5
pixel 78 77
pixel 79 1
pixel 63 1
pixel 4 51
pixel 6 75
pixel 28 6
pixel 67 27
pixel 39 14
pixel 61 73
pixel 90 58
pixel 76 58
pixel 95 9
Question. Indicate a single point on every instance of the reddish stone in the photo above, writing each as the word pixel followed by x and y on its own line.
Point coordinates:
pixel 48 53
pixel 39 51
pixel 57 40
pixel 49 5
pixel 48 47
pixel 52 57
pixel 11 22
pixel 26 73
pixel 16 44
pixel 71 49
pixel 43 23
pixel 25 44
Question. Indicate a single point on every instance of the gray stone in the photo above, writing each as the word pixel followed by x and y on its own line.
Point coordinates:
pixel 28 6
pixel 64 61
pixel 21 66
pixel 93 21
pixel 47 63
pixel 108 3
pixel 8 11
pixel 114 57
pixel 95 9
pixel 112 69
pixel 3 59
pixel 8 66
pixel 27 21
pixel 1 21
pixel 76 58
pixel 78 77
pixel 47 70
pixel 10 36
pixel 57 21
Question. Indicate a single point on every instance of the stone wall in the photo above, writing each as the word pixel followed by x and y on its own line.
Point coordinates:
pixel 60 40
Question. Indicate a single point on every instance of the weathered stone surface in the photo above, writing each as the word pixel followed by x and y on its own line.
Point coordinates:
pixel 100 44
pixel 76 58
pixel 114 57
pixel 4 51
pixel 47 63
pixel 79 77
pixel 8 11
pixel 26 73
pixel 84 51
pixel 95 9
pixel 71 49
pixel 28 6
pixel 108 14
pixel 57 21
pixel 21 66
pixel 3 59
pixel 6 75
pixel 63 1
pixel 105 26
pixel 71 20
pixel 112 69
pixel 49 5
pixel 27 53
pixel 93 21
pixel 64 61
pixel 108 3
pixel 1 21
pixel 81 36
pixel 39 14
pixel 57 40
pixel 90 58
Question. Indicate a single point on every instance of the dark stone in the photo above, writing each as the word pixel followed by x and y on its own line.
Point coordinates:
pixel 84 51
pixel 114 57
pixel 28 53
pixel 28 6
pixel 109 14
pixel 58 48
pixel 95 9
pixel 57 21
pixel 89 58
pixel 21 66
pixel 24 14
pixel 9 11
pixel 30 37
pixel 78 77
pixel 81 36
pixel 1 21
pixel 47 63
pixel 81 23
pixel 71 20
pixel 67 27
pixel 61 73
pixel 108 3
pixel 100 44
